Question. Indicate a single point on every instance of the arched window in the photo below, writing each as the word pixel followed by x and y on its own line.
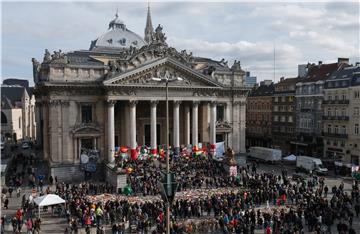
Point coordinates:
pixel 3 118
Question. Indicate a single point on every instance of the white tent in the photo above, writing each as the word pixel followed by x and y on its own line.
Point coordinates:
pixel 290 158
pixel 48 200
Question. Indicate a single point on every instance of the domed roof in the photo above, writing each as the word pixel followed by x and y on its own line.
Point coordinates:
pixel 118 36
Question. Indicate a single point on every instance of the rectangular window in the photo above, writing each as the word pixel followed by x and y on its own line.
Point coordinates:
pixel 343 112
pixel 290 119
pixel 356 129
pixel 329 128
pixel 343 131
pixel 336 130
pixel 356 111
pixel 86 113
pixel 220 113
pixel 356 94
pixel 329 112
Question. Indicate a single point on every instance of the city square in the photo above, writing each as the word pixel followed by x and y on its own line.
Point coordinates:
pixel 138 134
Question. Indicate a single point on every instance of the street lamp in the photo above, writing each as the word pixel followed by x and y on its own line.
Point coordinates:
pixel 167 80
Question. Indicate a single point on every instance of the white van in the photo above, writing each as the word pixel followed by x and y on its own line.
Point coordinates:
pixel 311 164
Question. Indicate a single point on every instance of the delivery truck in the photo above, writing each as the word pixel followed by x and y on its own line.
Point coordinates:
pixel 310 164
pixel 265 154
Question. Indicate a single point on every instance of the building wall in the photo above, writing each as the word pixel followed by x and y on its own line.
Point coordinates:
pixel 14 123
pixel 354 134
pixel 336 124
pixel 258 121
pixel 309 112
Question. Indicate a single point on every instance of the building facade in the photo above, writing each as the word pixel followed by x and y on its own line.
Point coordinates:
pixel 284 115
pixel 259 114
pixel 309 109
pixel 107 96
pixel 17 112
pixel 341 115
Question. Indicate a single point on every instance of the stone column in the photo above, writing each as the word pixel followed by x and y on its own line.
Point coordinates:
pixel 38 119
pixel 213 123
pixel 187 125
pixel 195 108
pixel 236 127
pixel 111 131
pixel 227 112
pixel 153 128
pixel 242 113
pixel 133 129
pixel 176 128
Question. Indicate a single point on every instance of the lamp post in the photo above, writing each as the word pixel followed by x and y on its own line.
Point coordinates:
pixel 167 80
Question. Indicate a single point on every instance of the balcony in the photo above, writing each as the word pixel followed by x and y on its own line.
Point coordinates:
pixel 335 102
pixel 340 118
pixel 335 135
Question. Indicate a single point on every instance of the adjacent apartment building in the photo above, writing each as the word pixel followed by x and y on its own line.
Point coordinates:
pixel 341 115
pixel 309 108
pixel 284 116
pixel 17 111
pixel 258 115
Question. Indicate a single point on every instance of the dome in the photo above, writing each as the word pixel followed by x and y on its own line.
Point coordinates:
pixel 118 36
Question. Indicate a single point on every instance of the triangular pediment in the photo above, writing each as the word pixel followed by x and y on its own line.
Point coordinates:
pixel 164 67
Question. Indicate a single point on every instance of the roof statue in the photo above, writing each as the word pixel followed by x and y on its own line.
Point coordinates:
pixel 159 36
pixel 149 30
pixel 236 65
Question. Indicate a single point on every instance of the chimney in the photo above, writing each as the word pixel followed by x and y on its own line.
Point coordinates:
pixel 343 60
pixel 320 62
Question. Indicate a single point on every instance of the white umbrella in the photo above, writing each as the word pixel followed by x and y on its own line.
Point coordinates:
pixel 48 200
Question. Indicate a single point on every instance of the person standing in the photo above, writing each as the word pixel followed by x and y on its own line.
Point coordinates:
pixel 29 226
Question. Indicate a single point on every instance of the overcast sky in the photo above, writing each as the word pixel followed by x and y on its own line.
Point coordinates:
pixel 301 32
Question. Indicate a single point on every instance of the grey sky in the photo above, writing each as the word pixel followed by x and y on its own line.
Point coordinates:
pixel 301 32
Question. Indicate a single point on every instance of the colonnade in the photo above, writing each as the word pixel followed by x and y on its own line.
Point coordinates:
pixel 153 123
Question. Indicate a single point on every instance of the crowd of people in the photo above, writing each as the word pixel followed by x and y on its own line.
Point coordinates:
pixel 274 203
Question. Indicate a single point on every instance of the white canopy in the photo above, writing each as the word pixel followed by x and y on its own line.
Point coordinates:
pixel 48 200
pixel 290 158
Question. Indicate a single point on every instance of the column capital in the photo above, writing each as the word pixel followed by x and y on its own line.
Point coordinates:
pixel 153 103
pixel 133 103
pixel 241 103
pixel 195 103
pixel 177 103
pixel 110 102
pixel 213 103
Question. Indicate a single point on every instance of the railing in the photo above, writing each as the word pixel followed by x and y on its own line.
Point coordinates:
pixel 326 117
pixel 335 135
pixel 332 102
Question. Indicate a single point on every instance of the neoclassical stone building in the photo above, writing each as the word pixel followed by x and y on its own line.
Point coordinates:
pixel 105 97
